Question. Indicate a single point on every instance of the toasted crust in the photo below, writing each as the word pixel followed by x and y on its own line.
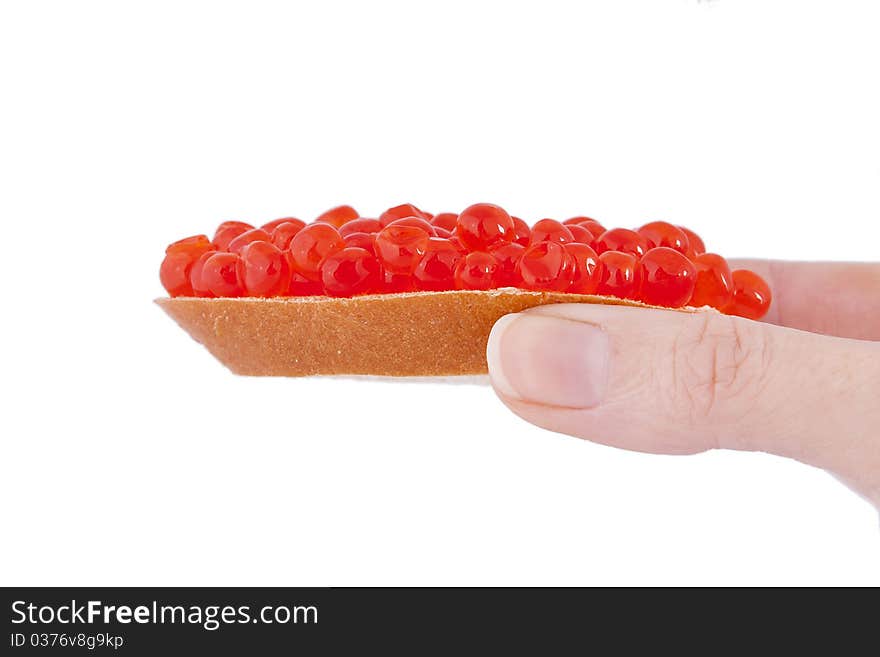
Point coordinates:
pixel 409 334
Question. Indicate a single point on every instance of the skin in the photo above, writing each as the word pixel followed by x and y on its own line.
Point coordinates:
pixel 803 383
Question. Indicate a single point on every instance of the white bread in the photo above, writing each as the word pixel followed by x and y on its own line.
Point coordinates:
pixel 408 334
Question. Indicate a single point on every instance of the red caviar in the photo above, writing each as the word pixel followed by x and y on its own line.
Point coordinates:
pixel 751 295
pixel 392 283
pixel 508 256
pixel 300 286
pixel 662 233
pixel 400 247
pixel 416 222
pixel 445 220
pixel 350 271
pixel 483 226
pixel 580 234
pixel 587 269
pixel 550 230
pixel 264 270
pixel 360 225
pixel 221 275
pixel 695 242
pixel 667 277
pixel 284 232
pixel 714 284
pixel 195 276
pixel 436 268
pixel 254 235
pixel 406 249
pixel 591 225
pixel 338 216
pixel 228 231
pixel 476 271
pixel 362 241
pixel 272 225
pixel 620 275
pixel 311 245
pixel 401 212
pixel 190 245
pixel 180 257
pixel 594 227
pixel 522 233
pixel 621 239
pixel 546 266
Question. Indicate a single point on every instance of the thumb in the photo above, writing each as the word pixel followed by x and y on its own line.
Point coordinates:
pixel 683 382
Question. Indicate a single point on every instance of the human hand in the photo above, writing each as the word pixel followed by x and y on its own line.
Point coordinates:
pixel 804 383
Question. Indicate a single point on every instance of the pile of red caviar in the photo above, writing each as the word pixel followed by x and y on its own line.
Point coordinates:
pixel 342 254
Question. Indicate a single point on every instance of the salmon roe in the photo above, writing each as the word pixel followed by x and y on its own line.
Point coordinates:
pixel 406 249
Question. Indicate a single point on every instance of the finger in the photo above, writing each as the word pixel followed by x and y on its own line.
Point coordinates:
pixel 677 382
pixel 833 298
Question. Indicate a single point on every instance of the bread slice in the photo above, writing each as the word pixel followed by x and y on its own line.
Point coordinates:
pixel 408 334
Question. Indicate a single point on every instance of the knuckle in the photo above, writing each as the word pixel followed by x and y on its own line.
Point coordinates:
pixel 719 365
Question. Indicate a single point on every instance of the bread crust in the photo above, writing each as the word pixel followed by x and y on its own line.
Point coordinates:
pixel 409 334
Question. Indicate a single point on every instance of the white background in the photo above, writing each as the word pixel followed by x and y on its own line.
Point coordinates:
pixel 130 456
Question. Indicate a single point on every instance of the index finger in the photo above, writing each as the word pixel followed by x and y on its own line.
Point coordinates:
pixel 833 298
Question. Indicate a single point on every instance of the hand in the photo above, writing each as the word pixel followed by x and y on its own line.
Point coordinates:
pixel 805 385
